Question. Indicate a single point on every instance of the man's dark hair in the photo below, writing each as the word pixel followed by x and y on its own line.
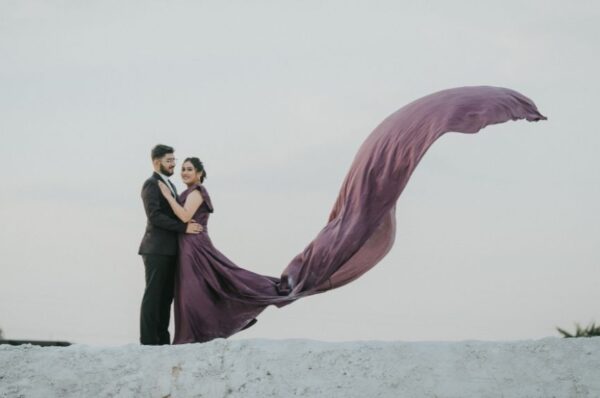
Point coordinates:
pixel 161 150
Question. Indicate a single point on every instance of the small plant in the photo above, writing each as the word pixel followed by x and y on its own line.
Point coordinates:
pixel 591 330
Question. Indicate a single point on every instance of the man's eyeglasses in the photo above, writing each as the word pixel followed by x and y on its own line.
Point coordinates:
pixel 170 161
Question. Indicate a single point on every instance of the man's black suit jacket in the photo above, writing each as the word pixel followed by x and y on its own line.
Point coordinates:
pixel 163 225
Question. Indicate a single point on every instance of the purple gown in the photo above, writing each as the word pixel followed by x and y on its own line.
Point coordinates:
pixel 215 298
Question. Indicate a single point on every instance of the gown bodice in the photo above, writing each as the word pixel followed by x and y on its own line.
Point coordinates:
pixel 202 214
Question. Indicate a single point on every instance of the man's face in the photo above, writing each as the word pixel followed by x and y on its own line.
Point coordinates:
pixel 167 164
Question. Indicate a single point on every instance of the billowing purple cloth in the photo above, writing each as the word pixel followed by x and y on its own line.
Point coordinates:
pixel 216 298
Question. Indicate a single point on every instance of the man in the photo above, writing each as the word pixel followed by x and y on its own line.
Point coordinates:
pixel 159 249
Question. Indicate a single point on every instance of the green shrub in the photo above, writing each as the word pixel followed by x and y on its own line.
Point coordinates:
pixel 591 330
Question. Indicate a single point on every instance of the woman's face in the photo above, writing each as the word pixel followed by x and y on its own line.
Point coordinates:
pixel 189 175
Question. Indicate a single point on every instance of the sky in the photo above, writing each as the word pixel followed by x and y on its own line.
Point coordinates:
pixel 497 232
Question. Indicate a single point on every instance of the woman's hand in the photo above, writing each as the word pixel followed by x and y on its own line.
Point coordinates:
pixel 164 190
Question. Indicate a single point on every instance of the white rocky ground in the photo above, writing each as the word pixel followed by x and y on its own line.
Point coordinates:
pixel 550 367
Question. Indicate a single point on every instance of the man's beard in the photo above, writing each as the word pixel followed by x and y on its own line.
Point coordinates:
pixel 165 171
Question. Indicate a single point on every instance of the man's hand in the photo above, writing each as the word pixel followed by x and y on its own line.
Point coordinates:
pixel 193 228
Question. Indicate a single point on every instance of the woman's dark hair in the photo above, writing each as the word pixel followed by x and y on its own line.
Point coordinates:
pixel 198 166
pixel 161 150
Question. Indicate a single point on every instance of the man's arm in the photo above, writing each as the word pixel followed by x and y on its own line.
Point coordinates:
pixel 151 196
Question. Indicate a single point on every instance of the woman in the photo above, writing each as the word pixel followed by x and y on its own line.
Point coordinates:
pixel 213 297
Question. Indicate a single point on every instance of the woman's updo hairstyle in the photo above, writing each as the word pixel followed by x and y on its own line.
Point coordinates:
pixel 198 166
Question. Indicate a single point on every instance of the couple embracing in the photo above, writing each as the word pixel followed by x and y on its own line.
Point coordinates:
pixel 216 298
pixel 179 258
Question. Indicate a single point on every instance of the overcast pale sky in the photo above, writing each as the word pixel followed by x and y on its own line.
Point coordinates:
pixel 498 232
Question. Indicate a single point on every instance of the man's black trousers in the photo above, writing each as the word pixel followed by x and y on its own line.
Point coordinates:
pixel 158 296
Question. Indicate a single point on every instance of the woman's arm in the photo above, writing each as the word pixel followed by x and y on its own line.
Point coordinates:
pixel 151 198
pixel 187 211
